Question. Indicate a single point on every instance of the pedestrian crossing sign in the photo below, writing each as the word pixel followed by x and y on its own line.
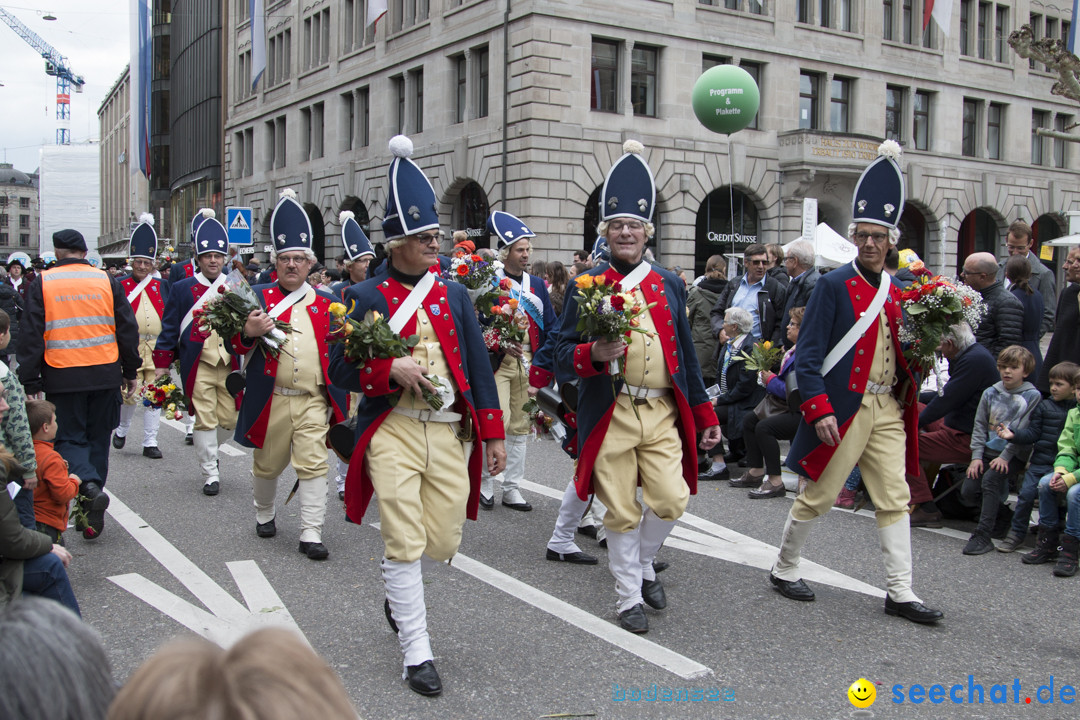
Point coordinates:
pixel 238 223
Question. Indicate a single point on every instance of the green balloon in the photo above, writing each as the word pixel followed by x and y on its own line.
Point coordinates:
pixel 726 98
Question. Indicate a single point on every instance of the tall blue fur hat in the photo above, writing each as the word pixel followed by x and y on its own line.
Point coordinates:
pixel 879 194
pixel 411 207
pixel 143 242
pixel 600 251
pixel 356 242
pixel 508 228
pixel 211 236
pixel 629 189
pixel 203 214
pixel 290 227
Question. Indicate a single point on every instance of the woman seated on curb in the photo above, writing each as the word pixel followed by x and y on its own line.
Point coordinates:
pixel 763 436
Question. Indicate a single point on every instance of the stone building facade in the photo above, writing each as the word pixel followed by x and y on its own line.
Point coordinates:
pixel 124 195
pixel 522 105
pixel 19 211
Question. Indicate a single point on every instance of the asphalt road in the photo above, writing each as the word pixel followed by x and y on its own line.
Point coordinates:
pixel 517 636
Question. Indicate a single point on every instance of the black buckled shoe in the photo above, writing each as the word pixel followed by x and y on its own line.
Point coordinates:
pixel 389 615
pixel 914 611
pixel 314 550
pixel 152 452
pixel 118 442
pixel 652 592
pixel 424 679
pixel 266 529
pixel 189 439
pixel 588 531
pixel 574 558
pixel 634 620
pixel 211 488
pixel 521 506
pixel 486 503
pixel 797 590
pixel 659 566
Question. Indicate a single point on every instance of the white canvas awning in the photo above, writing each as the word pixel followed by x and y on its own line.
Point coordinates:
pixel 832 248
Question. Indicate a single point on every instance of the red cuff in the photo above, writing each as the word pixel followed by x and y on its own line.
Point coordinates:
pixel 375 377
pixel 491 423
pixel 539 377
pixel 583 363
pixel 816 408
pixel 163 359
pixel 704 416
pixel 571 419
pixel 238 345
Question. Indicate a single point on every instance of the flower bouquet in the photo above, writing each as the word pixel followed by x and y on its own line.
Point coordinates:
pixel 163 393
pixel 227 313
pixel 475 273
pixel 372 338
pixel 762 356
pixel 506 324
pixel 539 421
pixel 931 305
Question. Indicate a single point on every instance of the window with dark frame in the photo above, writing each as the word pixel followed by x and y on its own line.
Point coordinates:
pixel 643 89
pixel 461 89
pixel 480 61
pixel 809 97
pixel 363 99
pixel 887 31
pixel 418 79
pixel 1038 142
pixel 399 87
pixel 1001 34
pixel 894 113
pixel 1061 124
pixel 754 68
pixel 921 121
pixel 965 26
pixel 970 128
pixel 605 75
pixel 840 104
pixel 994 117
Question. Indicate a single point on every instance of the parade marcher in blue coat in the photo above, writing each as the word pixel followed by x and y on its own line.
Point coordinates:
pixel 358 253
pixel 288 398
pixel 860 397
pixel 642 425
pixel 411 456
pixel 512 367
pixel 146 295
pixel 205 361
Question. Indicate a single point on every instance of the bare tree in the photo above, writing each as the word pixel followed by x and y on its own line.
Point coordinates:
pixel 1052 53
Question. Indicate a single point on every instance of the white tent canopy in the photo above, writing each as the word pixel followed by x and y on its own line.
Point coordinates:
pixel 831 248
pixel 1067 240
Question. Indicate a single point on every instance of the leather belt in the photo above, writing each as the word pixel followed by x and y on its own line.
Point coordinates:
pixel 641 395
pixel 279 390
pixel 429 415
pixel 872 388
pixel 147 336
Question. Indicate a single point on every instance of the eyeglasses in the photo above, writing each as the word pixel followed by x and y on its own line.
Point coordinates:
pixel 427 238
pixel 878 237
pixel 969 273
pixel 619 225
pixel 292 260
pixel 757 262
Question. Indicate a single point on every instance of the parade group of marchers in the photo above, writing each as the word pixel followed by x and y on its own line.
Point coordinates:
pixel 416 382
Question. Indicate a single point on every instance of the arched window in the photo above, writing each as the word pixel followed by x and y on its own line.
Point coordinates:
pixel 471 213
pixel 318 231
pixel 978 233
pixel 727 222
pixel 913 231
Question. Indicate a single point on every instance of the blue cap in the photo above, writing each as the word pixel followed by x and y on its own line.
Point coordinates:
pixel 356 241
pixel 600 251
pixel 879 194
pixel 508 228
pixel 411 207
pixel 211 236
pixel 290 227
pixel 143 242
pixel 203 214
pixel 629 190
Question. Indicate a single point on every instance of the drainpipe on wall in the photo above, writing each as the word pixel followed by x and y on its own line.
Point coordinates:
pixel 506 98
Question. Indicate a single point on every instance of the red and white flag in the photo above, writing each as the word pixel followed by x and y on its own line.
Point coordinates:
pixel 375 10
pixel 941 11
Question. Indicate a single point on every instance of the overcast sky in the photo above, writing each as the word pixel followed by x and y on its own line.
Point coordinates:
pixel 93 35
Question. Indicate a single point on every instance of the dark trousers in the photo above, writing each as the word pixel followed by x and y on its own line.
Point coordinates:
pixel 762 438
pixel 735 445
pixel 85 422
pixel 24 503
pixel 45 576
pixel 989 492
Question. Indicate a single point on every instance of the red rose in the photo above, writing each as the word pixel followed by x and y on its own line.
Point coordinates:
pixel 221 290
pixel 618 302
pixel 505 284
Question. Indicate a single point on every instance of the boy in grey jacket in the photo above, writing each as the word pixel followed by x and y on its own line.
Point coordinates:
pixel 1008 403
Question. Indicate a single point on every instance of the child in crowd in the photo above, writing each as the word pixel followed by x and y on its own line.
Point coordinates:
pixel 1047 422
pixel 1062 481
pixel 1008 403
pixel 15 433
pixel 56 487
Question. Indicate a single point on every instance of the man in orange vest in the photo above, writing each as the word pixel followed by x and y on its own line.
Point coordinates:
pixel 79 342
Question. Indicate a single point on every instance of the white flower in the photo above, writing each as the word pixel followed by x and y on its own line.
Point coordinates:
pixel 890 149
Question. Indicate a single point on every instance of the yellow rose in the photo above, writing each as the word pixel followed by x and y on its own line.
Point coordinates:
pixel 767 345
pixel 171 407
pixel 584 282
pixel 337 309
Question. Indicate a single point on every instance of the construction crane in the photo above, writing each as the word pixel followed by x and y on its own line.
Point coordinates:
pixel 55 65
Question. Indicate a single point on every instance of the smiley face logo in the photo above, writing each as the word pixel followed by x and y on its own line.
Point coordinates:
pixel 862 693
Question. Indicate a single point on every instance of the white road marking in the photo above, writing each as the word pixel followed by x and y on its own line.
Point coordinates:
pixel 227 620
pixel 719 542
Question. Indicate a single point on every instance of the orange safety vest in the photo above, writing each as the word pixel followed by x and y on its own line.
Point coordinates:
pixel 80 329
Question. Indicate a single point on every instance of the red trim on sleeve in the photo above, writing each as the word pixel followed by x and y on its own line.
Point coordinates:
pixel 816 408
pixel 704 416
pixel 583 363
pixel 540 378
pixel 490 423
pixel 163 359
pixel 377 382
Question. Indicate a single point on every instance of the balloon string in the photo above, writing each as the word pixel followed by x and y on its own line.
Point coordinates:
pixel 731 197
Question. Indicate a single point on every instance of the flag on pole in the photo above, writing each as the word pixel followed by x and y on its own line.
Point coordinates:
pixel 139 76
pixel 375 10
pixel 941 11
pixel 257 9
pixel 1072 28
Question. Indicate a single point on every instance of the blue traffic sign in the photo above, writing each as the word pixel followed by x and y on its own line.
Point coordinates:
pixel 238 223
